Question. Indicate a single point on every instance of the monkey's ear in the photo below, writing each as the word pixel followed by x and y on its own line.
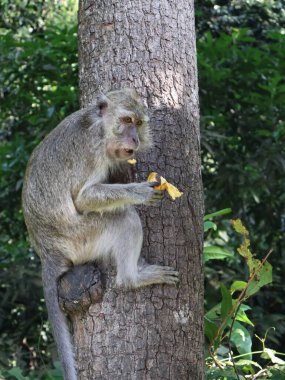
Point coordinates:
pixel 102 103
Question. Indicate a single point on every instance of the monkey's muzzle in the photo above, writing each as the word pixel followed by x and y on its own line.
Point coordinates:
pixel 129 151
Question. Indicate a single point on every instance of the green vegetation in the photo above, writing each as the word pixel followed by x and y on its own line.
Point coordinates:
pixel 39 86
pixel 241 55
pixel 241 59
pixel 228 328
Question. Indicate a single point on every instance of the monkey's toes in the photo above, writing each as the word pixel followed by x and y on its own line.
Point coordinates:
pixel 171 278
pixel 168 274
pixel 165 269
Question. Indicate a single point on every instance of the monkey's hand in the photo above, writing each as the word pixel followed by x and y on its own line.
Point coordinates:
pixel 149 194
pixel 157 195
pixel 105 196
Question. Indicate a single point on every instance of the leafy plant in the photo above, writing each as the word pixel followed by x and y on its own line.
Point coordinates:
pixel 16 373
pixel 227 325
pixel 38 76
pixel 243 147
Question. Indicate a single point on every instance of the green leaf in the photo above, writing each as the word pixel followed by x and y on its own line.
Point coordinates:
pixel 216 253
pixel 237 285
pixel 55 373
pixel 16 372
pixel 262 278
pixel 222 374
pixel 208 225
pixel 270 354
pixel 217 213
pixel 242 317
pixel 214 313
pixel 241 338
pixel 262 272
pixel 239 227
pixel 277 372
pixel 227 302
pixel 210 329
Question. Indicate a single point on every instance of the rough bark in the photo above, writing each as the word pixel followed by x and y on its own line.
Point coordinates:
pixel 156 332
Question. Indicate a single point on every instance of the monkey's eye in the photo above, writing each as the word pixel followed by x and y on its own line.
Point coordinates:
pixel 126 120
pixel 139 123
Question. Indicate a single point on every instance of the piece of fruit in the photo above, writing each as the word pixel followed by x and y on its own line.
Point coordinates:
pixel 164 185
pixel 132 161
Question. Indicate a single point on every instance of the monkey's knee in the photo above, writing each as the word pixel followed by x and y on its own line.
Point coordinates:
pixel 79 288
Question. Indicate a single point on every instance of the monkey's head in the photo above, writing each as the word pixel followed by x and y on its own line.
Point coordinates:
pixel 125 123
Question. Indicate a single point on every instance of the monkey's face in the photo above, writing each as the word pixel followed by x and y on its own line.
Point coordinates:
pixel 126 124
pixel 126 136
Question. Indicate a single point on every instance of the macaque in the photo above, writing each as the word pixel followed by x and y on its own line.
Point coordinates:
pixel 74 215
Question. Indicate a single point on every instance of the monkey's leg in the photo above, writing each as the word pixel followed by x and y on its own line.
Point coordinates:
pixel 126 237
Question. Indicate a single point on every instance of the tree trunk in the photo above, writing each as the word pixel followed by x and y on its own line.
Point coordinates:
pixel 156 332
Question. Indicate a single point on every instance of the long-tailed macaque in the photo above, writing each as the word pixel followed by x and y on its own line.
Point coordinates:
pixel 75 216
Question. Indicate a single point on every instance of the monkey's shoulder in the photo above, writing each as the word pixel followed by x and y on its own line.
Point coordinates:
pixel 70 139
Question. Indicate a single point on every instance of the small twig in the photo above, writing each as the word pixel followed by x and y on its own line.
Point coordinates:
pixel 257 375
pixel 217 362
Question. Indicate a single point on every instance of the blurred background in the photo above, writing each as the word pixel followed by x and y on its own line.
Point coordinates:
pixel 241 66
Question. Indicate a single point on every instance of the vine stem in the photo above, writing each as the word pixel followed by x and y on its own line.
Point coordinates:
pixel 252 353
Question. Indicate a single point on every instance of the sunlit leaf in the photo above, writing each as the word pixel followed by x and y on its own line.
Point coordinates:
pixel 241 338
pixel 216 253
pixel 262 278
pixel 237 285
pixel 242 317
pixel 270 354
pixel 239 227
pixel 209 225
pixel 217 213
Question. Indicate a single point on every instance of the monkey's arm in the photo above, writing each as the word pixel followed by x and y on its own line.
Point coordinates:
pixel 103 197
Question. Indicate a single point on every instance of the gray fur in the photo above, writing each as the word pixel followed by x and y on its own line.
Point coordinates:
pixel 74 215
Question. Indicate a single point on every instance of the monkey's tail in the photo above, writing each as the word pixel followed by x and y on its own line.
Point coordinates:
pixel 50 274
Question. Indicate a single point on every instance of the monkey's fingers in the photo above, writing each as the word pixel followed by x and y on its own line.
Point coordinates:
pixel 159 194
pixel 156 196
pixel 154 183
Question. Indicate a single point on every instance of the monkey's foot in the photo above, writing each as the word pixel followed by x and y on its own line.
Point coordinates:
pixel 156 274
pixel 79 288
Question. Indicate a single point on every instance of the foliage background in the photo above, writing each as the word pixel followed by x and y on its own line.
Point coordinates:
pixel 38 75
pixel 241 62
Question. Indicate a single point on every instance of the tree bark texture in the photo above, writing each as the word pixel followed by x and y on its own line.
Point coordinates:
pixel 156 332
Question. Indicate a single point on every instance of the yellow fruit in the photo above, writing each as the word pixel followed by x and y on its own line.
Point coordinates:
pixel 164 185
pixel 132 161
